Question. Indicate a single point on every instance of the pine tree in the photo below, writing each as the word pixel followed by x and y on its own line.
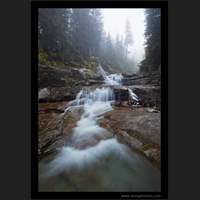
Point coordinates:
pixel 80 29
pixel 95 32
pixel 152 61
pixel 53 31
pixel 128 36
pixel 67 35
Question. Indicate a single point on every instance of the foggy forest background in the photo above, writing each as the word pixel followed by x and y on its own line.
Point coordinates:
pixel 76 37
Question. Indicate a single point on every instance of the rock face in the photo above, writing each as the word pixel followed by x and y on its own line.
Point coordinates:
pixel 149 96
pixel 147 87
pixel 55 126
pixel 138 128
pixel 49 128
pixel 55 94
pixel 143 79
pixel 63 84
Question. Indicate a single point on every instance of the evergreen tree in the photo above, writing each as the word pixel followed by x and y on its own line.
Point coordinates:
pixel 53 32
pixel 128 36
pixel 119 47
pixel 53 28
pixel 152 61
pixel 66 35
pixel 80 29
pixel 95 32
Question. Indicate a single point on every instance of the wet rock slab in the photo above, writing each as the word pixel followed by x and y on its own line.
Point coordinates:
pixel 54 126
pixel 149 95
pixel 63 84
pixel 49 133
pixel 139 128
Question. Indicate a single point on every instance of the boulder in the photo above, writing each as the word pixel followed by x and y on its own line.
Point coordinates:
pixel 121 93
pixel 64 84
pixel 149 96
pixel 56 94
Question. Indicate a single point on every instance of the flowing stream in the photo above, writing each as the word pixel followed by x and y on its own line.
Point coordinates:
pixel 93 159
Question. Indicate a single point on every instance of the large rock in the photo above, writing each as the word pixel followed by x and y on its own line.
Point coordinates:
pixel 55 94
pixel 50 137
pixel 139 128
pixel 121 93
pixel 55 126
pixel 55 77
pixel 63 84
pixel 149 96
pixel 142 79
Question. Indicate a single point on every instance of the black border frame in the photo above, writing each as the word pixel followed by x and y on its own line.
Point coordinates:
pixel 163 5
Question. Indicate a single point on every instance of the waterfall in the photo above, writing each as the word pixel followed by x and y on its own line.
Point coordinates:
pixel 92 159
pixel 112 79
pixel 89 96
pixel 78 153
pixel 133 95
pixel 88 140
pixel 101 71
pixel 78 97
pixel 116 79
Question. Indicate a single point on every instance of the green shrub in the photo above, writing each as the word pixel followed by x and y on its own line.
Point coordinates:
pixel 43 57
pixel 50 59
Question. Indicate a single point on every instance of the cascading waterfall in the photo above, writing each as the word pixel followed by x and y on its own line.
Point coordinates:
pixel 116 79
pixel 133 95
pixel 89 96
pixel 112 79
pixel 94 160
pixel 95 103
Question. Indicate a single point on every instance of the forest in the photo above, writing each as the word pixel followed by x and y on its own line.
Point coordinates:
pixel 99 102
pixel 77 35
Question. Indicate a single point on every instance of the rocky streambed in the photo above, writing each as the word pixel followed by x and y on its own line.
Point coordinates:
pixel 135 126
pixel 138 127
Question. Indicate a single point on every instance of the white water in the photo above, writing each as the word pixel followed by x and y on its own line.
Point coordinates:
pixel 71 157
pixel 95 103
pixel 112 79
pixel 93 147
pixel 116 79
pixel 133 95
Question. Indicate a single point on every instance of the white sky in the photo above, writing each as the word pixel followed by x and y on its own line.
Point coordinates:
pixel 114 23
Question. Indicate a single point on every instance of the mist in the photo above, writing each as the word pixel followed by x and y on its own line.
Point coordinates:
pixel 114 21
